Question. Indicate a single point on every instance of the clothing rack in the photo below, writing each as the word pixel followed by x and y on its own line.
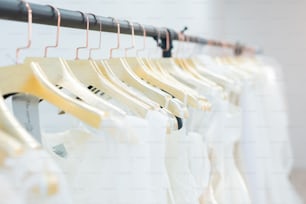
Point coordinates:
pixel 44 14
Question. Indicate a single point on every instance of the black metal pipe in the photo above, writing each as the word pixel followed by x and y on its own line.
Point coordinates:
pixel 43 14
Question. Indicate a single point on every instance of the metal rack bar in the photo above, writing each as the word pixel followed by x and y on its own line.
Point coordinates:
pixel 43 14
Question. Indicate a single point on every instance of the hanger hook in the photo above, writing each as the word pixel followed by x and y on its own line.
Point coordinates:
pixel 157 41
pixel 158 37
pixel 118 38
pixel 29 10
pixel 57 32
pixel 167 41
pixel 87 30
pixel 100 36
pixel 133 38
pixel 144 40
pixel 181 37
pixel 188 43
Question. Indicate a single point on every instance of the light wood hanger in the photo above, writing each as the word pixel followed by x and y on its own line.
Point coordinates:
pixel 28 78
pixel 88 73
pixel 58 73
pixel 176 65
pixel 108 66
pixel 121 68
pixel 162 71
pixel 140 69
pixel 12 127
pixel 9 146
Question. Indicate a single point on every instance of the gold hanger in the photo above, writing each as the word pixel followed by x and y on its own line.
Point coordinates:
pixel 113 64
pixel 191 74
pixel 121 68
pixel 58 73
pixel 141 104
pixel 88 73
pixel 11 126
pixel 160 68
pixel 140 68
pixel 157 68
pixel 28 78
pixel 9 146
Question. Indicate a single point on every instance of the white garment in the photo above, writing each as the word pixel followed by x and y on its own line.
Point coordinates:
pixel 268 127
pixel 198 125
pixel 8 195
pixel 160 186
pixel 109 165
pixel 33 175
pixel 182 182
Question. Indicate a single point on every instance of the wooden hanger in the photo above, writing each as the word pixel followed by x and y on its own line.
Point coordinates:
pixel 11 126
pixel 10 146
pixel 140 69
pixel 87 71
pixel 162 70
pixel 178 64
pixel 219 79
pixel 121 68
pixel 28 78
pixel 58 73
pixel 107 67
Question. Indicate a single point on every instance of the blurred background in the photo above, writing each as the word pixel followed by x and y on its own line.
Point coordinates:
pixel 276 26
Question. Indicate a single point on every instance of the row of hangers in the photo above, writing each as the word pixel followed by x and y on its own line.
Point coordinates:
pixel 163 83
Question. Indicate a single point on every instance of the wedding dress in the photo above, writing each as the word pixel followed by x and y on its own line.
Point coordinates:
pixel 8 195
pixel 183 185
pixel 278 160
pixel 109 165
pixel 223 134
pixel 33 178
pixel 122 162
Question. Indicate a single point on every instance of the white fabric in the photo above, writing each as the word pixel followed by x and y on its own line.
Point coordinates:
pixel 29 175
pixel 157 142
pixel 182 182
pixel 122 162
pixel 230 155
pixel 271 154
pixel 8 194
pixel 109 165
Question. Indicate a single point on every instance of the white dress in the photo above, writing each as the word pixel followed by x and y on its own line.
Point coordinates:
pixel 275 151
pixel 197 125
pixel 35 179
pixel 182 182
pixel 109 165
pixel 223 135
pixel 160 186
pixel 159 124
pixel 122 162
pixel 8 194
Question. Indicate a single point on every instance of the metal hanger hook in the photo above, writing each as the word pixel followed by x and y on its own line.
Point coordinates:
pixel 144 40
pixel 132 37
pixel 86 41
pixel 29 10
pixel 57 32
pixel 167 40
pixel 100 36
pixel 118 38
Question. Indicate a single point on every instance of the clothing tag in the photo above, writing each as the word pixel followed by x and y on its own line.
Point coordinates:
pixel 25 108
pixel 60 150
